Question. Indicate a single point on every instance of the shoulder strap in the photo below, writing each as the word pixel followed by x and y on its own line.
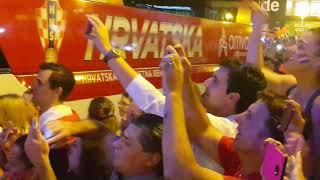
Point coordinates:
pixel 307 111
pixel 290 89
pixel 307 115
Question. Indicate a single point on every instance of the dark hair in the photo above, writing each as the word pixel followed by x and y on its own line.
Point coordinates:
pixel 60 77
pixel 277 106
pixel 93 160
pixel 102 109
pixel 23 156
pixel 151 137
pixel 246 80
pixel 316 33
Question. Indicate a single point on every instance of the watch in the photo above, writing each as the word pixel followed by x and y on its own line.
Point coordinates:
pixel 112 54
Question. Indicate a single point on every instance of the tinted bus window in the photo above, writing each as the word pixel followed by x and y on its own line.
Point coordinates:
pixel 117 2
pixel 180 7
pixel 196 8
pixel 3 62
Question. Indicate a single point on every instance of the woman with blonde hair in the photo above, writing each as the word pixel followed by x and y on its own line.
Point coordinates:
pixel 15 113
pixel 15 118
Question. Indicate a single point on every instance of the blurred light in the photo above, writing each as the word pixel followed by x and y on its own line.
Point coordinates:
pixel 172 7
pixel 216 68
pixel 79 77
pixel 302 9
pixel 2 30
pixel 228 16
pixel 23 83
pixel 315 10
pixel 128 48
pixel 289 4
pixel 54 28
pixel 263 39
pixel 29 87
pixel 279 47
pixel 225 22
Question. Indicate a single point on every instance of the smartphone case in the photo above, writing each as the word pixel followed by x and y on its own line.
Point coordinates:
pixel 274 163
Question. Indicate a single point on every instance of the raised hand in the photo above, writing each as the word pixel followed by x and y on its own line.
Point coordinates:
pixel 185 61
pixel 277 144
pixel 36 147
pixel 172 70
pixel 259 15
pixel 100 35
pixel 297 122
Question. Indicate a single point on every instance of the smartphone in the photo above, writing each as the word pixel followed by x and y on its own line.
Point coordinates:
pixel 274 163
pixel 89 29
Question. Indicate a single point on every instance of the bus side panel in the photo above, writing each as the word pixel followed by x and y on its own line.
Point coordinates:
pixel 142 34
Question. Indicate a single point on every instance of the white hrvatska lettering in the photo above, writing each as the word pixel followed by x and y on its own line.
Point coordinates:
pixel 102 77
pixel 152 37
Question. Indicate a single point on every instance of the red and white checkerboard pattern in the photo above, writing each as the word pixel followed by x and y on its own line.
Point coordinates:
pixel 42 21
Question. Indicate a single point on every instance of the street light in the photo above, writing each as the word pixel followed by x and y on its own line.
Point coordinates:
pixel 2 30
pixel 228 16
pixel 302 9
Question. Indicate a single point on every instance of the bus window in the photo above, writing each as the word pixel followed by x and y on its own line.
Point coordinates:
pixel 203 9
pixel 221 13
pixel 117 2
pixel 4 66
pixel 180 7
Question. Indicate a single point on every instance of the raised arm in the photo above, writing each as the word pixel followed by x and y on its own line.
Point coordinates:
pixel 101 39
pixel 276 82
pixel 144 94
pixel 37 150
pixel 64 129
pixel 179 160
pixel 200 130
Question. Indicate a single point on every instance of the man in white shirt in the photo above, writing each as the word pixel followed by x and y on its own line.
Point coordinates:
pixel 50 88
pixel 230 90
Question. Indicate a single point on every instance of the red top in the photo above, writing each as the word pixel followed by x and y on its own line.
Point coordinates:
pixel 230 161
pixel 71 118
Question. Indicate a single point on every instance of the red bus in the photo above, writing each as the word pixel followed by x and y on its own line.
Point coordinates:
pixel 32 30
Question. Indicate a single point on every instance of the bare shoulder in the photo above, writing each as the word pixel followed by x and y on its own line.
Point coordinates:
pixel 288 80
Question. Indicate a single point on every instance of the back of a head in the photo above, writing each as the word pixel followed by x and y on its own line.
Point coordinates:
pixel 14 110
pixel 246 80
pixel 60 77
pixel 93 160
pixel 278 107
pixel 151 138
pixel 102 109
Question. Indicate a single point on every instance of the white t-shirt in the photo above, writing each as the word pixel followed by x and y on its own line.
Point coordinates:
pixel 151 100
pixel 52 114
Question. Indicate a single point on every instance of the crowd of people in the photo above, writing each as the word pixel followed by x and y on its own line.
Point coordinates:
pixel 178 133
